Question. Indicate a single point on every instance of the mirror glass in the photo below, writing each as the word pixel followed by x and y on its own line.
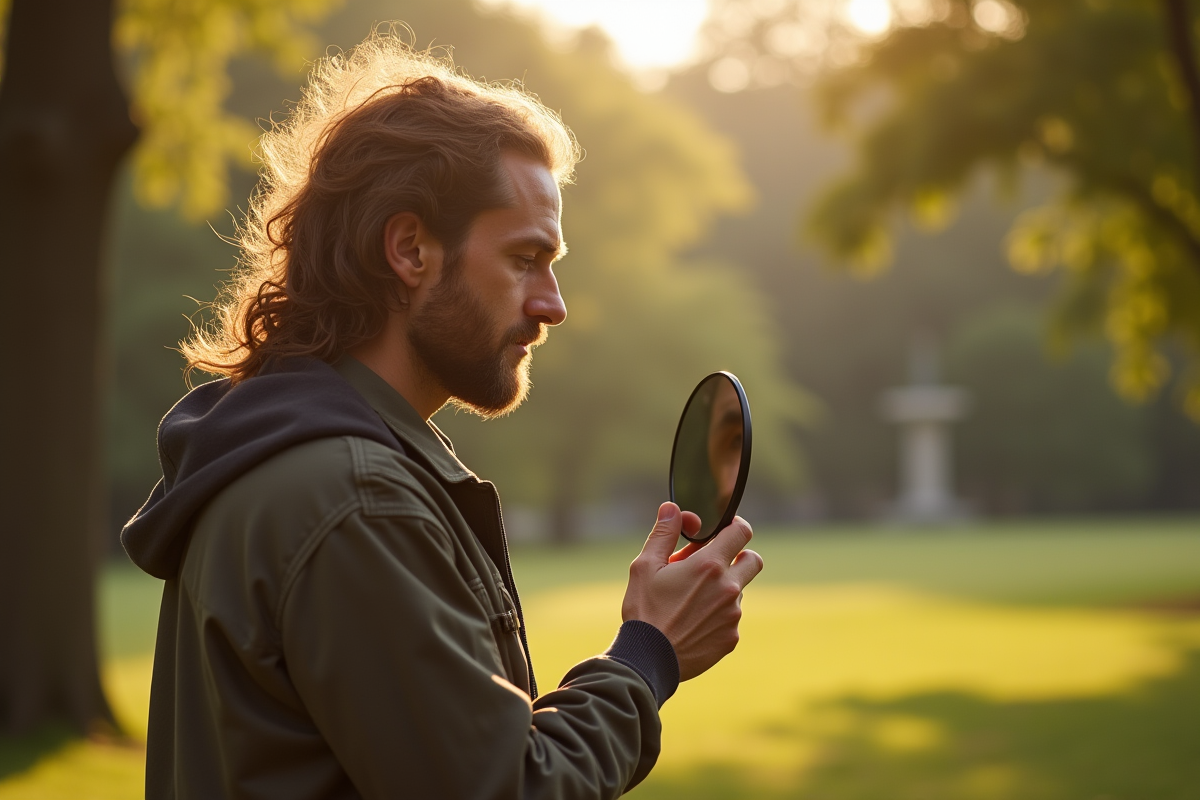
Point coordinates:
pixel 711 456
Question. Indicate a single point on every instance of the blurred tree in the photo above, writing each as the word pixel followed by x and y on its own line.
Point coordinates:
pixel 160 261
pixel 63 131
pixel 844 340
pixel 1043 434
pixel 64 128
pixel 1104 92
pixel 936 283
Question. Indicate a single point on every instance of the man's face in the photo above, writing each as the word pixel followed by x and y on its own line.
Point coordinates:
pixel 725 441
pixel 475 331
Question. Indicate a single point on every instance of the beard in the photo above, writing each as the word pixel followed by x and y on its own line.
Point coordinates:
pixel 456 344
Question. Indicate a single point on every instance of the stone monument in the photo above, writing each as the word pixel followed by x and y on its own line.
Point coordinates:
pixel 924 411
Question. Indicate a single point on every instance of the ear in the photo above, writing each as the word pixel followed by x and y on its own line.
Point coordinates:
pixel 411 250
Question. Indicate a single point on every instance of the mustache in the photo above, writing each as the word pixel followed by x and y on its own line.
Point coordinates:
pixel 530 334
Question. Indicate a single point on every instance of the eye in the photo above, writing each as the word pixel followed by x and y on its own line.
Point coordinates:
pixel 527 262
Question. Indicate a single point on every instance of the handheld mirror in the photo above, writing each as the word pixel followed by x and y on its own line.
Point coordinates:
pixel 711 456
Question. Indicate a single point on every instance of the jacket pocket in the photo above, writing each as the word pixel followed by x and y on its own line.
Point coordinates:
pixel 506 628
pixel 505 624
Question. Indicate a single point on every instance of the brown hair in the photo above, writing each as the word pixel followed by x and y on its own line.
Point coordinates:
pixel 380 130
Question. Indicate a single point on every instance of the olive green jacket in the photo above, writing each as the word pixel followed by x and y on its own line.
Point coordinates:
pixel 343 624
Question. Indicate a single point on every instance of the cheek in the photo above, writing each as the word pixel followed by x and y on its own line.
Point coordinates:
pixel 506 290
pixel 498 291
pixel 730 475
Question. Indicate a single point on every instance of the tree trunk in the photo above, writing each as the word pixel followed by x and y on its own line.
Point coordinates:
pixel 64 128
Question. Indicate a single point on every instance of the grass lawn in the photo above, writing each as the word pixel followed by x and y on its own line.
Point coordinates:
pixel 1056 660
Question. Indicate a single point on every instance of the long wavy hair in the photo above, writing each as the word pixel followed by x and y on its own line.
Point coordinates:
pixel 379 130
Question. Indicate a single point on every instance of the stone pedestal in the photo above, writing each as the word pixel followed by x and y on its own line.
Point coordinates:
pixel 924 414
pixel 924 411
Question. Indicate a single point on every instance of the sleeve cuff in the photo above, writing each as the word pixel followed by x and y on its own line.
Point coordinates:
pixel 647 651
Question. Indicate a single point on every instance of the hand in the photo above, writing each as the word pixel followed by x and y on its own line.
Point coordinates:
pixel 694 595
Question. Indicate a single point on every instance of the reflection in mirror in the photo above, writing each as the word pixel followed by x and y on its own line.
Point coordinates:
pixel 712 453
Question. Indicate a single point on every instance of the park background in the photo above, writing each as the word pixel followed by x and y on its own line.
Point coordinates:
pixel 798 194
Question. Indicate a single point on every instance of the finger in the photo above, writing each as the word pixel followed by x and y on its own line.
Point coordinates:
pixel 747 565
pixel 685 551
pixel 691 523
pixel 661 543
pixel 730 541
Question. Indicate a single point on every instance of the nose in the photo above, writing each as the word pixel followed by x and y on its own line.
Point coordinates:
pixel 545 304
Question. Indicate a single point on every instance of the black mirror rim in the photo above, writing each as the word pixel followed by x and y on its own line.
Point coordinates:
pixel 739 486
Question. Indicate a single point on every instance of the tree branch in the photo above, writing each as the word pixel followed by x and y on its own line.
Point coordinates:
pixel 1179 40
pixel 1135 190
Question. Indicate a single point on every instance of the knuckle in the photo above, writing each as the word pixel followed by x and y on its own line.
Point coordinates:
pixel 710 569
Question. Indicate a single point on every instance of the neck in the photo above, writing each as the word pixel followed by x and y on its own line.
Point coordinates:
pixel 390 356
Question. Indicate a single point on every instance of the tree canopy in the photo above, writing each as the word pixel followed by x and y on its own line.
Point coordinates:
pixel 1103 93
pixel 176 58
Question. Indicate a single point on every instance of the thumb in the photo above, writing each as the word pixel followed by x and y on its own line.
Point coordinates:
pixel 661 543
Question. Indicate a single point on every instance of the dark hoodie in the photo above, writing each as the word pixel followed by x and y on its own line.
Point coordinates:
pixel 339 617
pixel 215 434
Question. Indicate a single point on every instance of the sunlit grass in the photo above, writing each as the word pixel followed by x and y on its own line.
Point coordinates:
pixel 81 770
pixel 768 711
pixel 1010 662
pixel 103 768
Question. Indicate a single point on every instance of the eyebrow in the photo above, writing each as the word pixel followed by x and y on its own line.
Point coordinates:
pixel 545 244
pixel 730 417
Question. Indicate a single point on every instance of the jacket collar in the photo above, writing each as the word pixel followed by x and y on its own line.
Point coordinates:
pixel 434 446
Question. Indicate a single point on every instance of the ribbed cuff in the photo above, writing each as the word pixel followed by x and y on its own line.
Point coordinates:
pixel 647 651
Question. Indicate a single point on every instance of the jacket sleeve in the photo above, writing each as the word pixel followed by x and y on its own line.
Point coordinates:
pixel 393 656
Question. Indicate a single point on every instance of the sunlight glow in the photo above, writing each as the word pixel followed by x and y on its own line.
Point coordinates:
pixel 649 34
pixel 999 17
pixel 872 17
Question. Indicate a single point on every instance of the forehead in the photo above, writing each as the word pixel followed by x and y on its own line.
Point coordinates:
pixel 534 208
pixel 727 408
pixel 726 396
pixel 532 184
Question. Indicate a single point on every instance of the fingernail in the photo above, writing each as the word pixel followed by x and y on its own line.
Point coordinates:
pixel 666 511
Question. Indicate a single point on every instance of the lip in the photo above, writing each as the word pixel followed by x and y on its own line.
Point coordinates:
pixel 524 348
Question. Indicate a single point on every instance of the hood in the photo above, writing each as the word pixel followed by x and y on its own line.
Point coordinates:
pixel 218 432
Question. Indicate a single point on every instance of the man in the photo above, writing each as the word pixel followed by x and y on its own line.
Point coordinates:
pixel 339 617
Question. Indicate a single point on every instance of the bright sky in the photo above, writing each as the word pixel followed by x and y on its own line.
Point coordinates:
pixel 869 16
pixel 649 34
pixel 658 34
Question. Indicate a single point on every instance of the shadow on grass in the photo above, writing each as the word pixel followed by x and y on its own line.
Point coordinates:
pixel 19 753
pixel 1140 745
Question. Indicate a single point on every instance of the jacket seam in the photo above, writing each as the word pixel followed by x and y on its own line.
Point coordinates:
pixel 307 547
pixel 371 505
pixel 318 535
